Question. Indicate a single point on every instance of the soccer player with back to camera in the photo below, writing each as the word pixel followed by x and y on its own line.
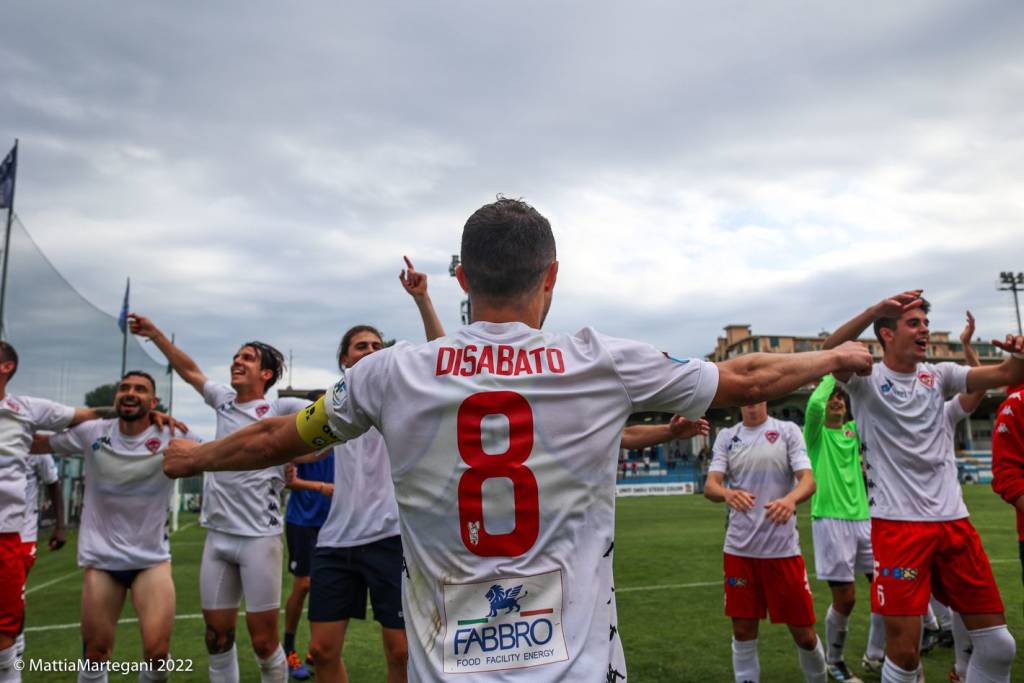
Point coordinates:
pixel 241 511
pixel 527 424
pixel 123 542
pixel 921 536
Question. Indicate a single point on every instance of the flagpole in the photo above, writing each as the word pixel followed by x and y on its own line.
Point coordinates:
pixel 124 333
pixel 7 243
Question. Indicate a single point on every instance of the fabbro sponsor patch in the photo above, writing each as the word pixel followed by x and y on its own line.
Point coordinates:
pixel 504 623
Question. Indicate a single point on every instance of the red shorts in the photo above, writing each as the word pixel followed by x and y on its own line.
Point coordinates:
pixel 915 559
pixel 12 585
pixel 776 585
pixel 28 550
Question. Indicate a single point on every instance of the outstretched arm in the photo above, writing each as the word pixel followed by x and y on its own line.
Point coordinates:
pixel 757 377
pixel 268 442
pixel 970 401
pixel 641 436
pixel 179 360
pixel 415 283
pixel 1007 373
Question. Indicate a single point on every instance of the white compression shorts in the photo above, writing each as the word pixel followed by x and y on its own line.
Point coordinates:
pixel 236 565
pixel 842 549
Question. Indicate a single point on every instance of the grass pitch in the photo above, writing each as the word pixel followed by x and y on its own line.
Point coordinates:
pixel 668 556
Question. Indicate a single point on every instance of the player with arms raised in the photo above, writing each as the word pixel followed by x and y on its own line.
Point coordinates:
pixel 241 511
pixel 921 536
pixel 503 442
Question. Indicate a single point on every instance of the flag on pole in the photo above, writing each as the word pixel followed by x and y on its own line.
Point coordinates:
pixel 122 319
pixel 8 170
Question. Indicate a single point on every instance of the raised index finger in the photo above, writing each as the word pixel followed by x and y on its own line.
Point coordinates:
pixel 409 263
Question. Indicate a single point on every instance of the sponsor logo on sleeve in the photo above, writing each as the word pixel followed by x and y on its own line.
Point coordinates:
pixel 505 623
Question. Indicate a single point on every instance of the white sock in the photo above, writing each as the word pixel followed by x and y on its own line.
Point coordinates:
pixel 88 675
pixel 930 622
pixel 942 614
pixel 876 637
pixel 835 634
pixel 274 669
pixel 961 645
pixel 8 674
pixel 224 667
pixel 154 676
pixel 893 674
pixel 19 645
pixel 994 650
pixel 812 662
pixel 745 665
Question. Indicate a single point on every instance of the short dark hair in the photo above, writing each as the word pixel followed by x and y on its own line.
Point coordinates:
pixel 141 373
pixel 890 323
pixel 346 340
pixel 270 359
pixel 841 393
pixel 7 353
pixel 506 247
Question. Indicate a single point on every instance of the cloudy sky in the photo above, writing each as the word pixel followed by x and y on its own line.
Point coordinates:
pixel 259 169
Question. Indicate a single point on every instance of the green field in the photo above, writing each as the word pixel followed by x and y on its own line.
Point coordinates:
pixel 668 579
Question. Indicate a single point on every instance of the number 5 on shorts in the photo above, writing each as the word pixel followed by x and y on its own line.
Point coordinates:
pixel 508 465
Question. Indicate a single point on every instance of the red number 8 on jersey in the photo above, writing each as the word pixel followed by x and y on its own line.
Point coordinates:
pixel 509 465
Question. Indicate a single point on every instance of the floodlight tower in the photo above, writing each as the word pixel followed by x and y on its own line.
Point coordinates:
pixel 464 309
pixel 1013 282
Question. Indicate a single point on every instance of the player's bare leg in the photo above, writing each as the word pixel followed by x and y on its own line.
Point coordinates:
pixel 153 599
pixel 102 601
pixel 326 641
pixel 396 652
pixel 220 644
pixel 902 646
pixel 267 645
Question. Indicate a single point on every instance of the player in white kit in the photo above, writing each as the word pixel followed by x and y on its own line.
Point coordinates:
pixel 241 511
pixel 503 443
pixel 922 538
pixel 20 417
pixel 765 463
pixel 41 472
pixel 123 539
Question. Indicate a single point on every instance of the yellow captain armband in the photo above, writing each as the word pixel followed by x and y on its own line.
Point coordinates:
pixel 313 427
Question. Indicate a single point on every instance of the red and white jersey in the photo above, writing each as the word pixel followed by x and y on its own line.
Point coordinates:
pixel 246 503
pixel 503 443
pixel 20 416
pixel 908 446
pixel 127 496
pixel 41 470
pixel 762 461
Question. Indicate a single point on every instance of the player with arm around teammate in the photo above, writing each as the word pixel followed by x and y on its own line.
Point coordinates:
pixel 764 461
pixel 493 415
pixel 921 536
pixel 241 511
pixel 123 542
pixel 20 417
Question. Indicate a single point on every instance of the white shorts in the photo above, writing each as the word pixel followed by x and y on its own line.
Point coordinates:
pixel 842 549
pixel 236 565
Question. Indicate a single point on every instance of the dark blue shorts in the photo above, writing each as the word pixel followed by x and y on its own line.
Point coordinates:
pixel 301 546
pixel 341 578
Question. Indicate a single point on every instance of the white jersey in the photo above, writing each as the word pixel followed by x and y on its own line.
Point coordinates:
pixel 41 470
pixel 20 416
pixel 127 496
pixel 244 503
pixel 363 509
pixel 954 411
pixel 908 446
pixel 762 461
pixel 503 443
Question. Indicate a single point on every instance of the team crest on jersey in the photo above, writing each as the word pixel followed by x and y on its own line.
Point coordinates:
pixel 848 433
pixel 14 407
pixel 927 379
pixel 504 624
pixel 262 410
pixel 153 445
pixel 772 436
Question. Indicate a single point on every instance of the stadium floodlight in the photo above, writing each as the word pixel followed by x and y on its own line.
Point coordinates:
pixel 1013 282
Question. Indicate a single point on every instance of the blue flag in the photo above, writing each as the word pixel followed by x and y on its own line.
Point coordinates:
pixel 122 320
pixel 8 169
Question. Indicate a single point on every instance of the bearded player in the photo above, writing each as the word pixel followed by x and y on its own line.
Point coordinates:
pixel 523 424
